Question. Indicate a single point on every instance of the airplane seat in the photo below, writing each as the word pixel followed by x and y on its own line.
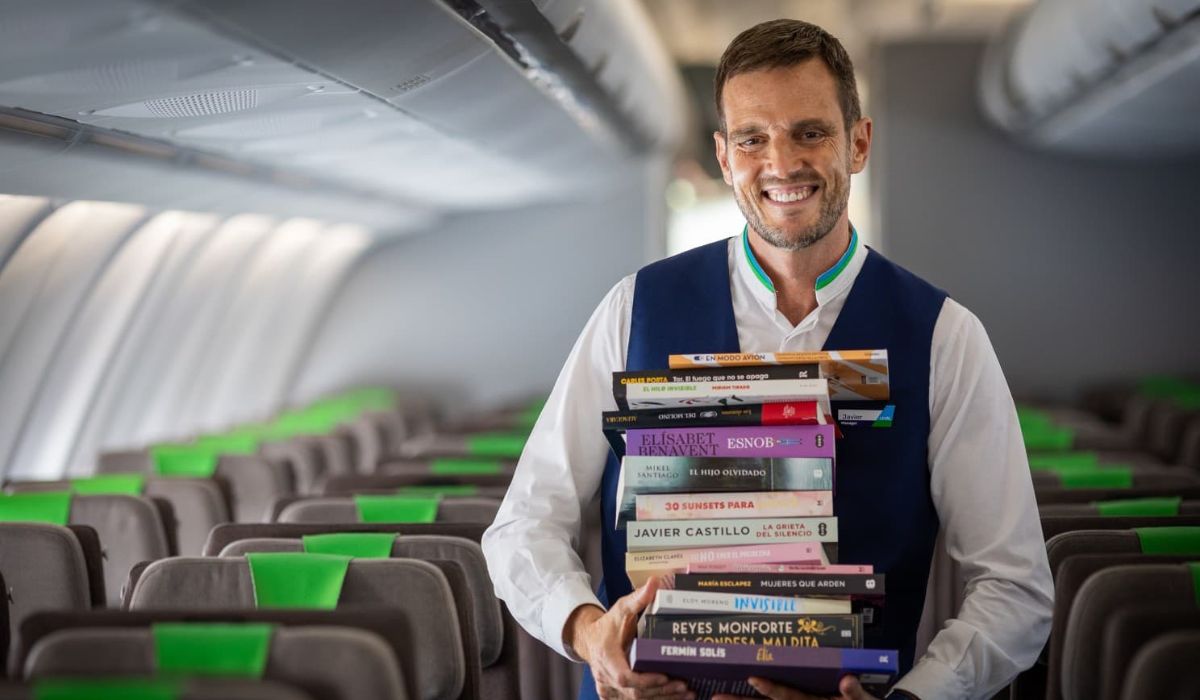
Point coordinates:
pixel 1165 669
pixel 302 457
pixel 403 475
pixel 419 589
pixel 189 689
pixel 131 530
pixel 331 663
pixel 1131 628
pixel 348 509
pixel 1186 507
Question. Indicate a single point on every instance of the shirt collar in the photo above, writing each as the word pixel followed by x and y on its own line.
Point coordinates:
pixel 834 281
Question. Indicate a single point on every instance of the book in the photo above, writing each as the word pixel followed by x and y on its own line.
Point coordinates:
pixel 641 396
pixel 843 631
pixel 807 584
pixel 641 566
pixel 674 602
pixel 711 374
pixel 710 567
pixel 645 535
pixel 853 375
pixel 724 668
pixel 644 475
pixel 775 413
pixel 748 441
pixel 742 504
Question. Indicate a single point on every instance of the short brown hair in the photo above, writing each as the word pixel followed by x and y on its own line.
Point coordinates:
pixel 781 43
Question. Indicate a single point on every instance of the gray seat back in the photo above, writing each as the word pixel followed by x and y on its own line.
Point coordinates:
pixel 1165 669
pixel 1101 595
pixel 193 689
pixel 331 663
pixel 130 530
pixel 1134 626
pixel 418 588
pixel 43 569
pixel 464 552
pixel 303 458
pixel 255 482
pixel 341 509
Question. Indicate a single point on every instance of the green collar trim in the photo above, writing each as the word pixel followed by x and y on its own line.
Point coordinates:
pixel 823 281
pixel 832 273
pixel 212 649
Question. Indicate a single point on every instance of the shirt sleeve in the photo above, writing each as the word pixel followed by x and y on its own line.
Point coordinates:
pixel 531 546
pixel 981 487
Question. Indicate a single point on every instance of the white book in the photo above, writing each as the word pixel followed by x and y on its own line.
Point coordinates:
pixel 647 535
pixel 673 602
pixel 673 394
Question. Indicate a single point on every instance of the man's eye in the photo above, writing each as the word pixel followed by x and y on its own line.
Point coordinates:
pixel 752 141
pixel 812 135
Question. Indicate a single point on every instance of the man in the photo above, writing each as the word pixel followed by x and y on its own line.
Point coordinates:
pixel 797 279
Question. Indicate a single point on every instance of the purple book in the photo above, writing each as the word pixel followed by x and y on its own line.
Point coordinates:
pixel 709 669
pixel 747 441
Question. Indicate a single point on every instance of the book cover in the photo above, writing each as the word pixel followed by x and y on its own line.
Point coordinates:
pixel 842 631
pixel 724 668
pixel 853 375
pixel 641 566
pixel 711 567
pixel 642 396
pixel 711 374
pixel 749 441
pixel 675 602
pixel 777 413
pixel 644 475
pixel 744 504
pixel 647 535
pixel 806 584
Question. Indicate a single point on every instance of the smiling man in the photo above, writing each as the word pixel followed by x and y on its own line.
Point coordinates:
pixel 796 279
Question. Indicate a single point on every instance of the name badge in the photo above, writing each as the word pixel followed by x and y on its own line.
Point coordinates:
pixel 881 418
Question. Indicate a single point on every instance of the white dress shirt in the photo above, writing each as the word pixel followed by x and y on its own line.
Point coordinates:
pixel 979 479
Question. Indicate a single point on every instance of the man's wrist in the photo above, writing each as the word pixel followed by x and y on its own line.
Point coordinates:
pixel 574 640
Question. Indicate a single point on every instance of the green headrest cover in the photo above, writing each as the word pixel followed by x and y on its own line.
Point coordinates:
pixel 212 649
pixel 235 443
pixel 496 444
pixel 126 484
pixel 1048 438
pixel 459 466
pixel 296 580
pixel 360 545
pixel 1105 478
pixel 1181 540
pixel 438 490
pixel 106 689
pixel 1063 460
pixel 396 509
pixel 53 507
pixel 184 460
pixel 1195 569
pixel 1145 507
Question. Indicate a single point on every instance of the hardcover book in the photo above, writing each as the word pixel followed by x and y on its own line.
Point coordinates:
pixel 724 668
pixel 643 475
pixel 744 504
pixel 806 584
pixel 673 602
pixel 777 413
pixel 750 441
pixel 842 631
pixel 711 374
pixel 642 396
pixel 853 375
pixel 653 534
pixel 722 567
pixel 641 566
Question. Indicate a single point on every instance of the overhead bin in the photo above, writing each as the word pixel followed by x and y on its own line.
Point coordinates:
pixel 1098 77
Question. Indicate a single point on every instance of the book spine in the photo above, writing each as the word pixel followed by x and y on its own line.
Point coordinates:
pixel 783 584
pixel 762 504
pixel 702 602
pixel 651 535
pixel 841 631
pixel 854 375
pixel 748 441
pixel 776 413
pixel 647 475
pixel 642 396
pixel 811 370
pixel 754 359
pixel 640 566
pixel 721 567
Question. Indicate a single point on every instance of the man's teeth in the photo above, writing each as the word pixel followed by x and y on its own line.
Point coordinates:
pixel 794 196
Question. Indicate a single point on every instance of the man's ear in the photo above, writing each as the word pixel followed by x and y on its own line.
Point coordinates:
pixel 722 156
pixel 860 144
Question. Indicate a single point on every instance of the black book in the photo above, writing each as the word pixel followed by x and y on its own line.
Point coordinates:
pixel 841 631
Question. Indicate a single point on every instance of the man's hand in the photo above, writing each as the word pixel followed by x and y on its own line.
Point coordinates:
pixel 602 640
pixel 849 689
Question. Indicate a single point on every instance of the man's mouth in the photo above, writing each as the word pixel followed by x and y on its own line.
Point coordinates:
pixel 789 195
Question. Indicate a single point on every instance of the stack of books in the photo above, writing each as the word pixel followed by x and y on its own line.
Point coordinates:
pixel 726 495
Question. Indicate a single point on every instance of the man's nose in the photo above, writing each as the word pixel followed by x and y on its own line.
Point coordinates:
pixel 785 157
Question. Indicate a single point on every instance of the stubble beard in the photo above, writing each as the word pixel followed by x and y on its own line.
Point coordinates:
pixel 834 199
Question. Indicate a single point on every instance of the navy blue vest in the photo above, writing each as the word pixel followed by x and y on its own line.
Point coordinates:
pixel 885 512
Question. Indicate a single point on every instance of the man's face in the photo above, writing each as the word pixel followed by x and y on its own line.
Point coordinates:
pixel 787 154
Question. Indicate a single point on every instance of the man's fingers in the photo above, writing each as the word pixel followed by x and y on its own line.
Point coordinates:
pixel 778 692
pixel 851 689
